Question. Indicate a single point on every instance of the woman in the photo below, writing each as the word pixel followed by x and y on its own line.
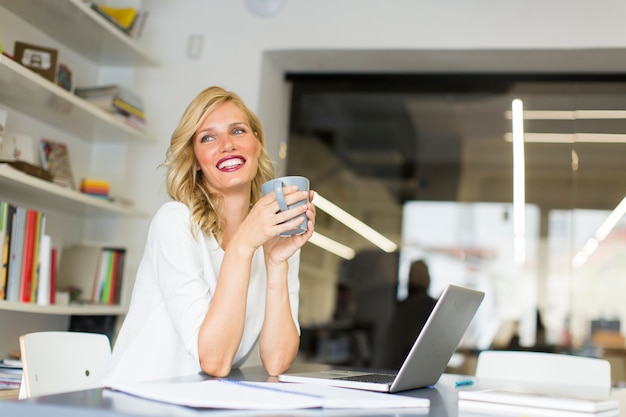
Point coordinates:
pixel 215 276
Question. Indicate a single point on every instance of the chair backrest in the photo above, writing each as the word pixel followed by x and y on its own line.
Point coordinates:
pixel 62 361
pixel 543 368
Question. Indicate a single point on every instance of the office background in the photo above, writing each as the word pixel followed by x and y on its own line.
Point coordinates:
pixel 201 43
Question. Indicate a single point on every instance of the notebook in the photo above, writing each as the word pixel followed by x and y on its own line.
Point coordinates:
pixel 428 358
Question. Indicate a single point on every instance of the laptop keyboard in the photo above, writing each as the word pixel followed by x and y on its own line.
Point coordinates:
pixel 375 378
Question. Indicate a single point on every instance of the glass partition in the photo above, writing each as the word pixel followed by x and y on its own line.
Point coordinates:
pixel 427 161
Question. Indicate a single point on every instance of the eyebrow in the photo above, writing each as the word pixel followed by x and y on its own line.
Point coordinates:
pixel 230 126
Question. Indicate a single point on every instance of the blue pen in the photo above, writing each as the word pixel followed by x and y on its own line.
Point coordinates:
pixel 463 383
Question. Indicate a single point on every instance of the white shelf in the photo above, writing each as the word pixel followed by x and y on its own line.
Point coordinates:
pixel 75 24
pixel 32 94
pixel 41 193
pixel 71 309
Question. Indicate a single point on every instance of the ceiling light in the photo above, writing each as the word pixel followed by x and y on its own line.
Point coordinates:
pixel 332 246
pixel 603 231
pixel 519 179
pixel 354 224
pixel 570 137
pixel 570 114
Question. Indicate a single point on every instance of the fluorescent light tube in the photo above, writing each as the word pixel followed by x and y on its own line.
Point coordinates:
pixel 570 114
pixel 570 137
pixel 355 224
pixel 332 246
pixel 519 180
pixel 603 231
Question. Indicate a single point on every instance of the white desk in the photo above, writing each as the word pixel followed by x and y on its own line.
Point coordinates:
pixel 101 402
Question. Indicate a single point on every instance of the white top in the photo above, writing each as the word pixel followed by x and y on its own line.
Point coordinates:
pixel 173 290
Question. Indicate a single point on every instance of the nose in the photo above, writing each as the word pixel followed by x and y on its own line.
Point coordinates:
pixel 227 144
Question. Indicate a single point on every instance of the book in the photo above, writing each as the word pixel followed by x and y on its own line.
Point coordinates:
pixel 55 159
pixel 53 275
pixel 28 250
pixel 106 290
pixel 123 18
pixel 44 284
pixel 40 226
pixel 531 403
pixel 103 96
pixel 6 220
pixel 16 254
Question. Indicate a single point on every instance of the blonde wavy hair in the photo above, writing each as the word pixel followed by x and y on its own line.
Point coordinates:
pixel 185 182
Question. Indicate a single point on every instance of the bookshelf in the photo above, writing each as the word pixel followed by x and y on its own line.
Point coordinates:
pixel 75 27
pixel 64 310
pixel 51 104
pixel 37 192
pixel 99 41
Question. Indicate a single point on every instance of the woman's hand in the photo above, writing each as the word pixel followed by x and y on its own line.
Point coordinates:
pixel 264 223
pixel 281 248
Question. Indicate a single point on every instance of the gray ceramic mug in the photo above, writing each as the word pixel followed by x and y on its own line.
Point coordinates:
pixel 276 185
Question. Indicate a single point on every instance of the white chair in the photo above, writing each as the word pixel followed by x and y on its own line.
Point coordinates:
pixel 62 361
pixel 540 368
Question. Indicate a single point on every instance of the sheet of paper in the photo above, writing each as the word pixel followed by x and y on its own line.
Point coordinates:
pixel 228 394
pixel 544 403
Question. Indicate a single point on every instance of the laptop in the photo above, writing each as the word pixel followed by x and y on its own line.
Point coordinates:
pixel 426 361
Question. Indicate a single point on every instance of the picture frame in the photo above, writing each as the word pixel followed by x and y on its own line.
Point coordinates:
pixel 64 77
pixel 37 58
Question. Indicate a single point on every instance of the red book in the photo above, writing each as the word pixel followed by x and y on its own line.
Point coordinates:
pixel 53 275
pixel 29 250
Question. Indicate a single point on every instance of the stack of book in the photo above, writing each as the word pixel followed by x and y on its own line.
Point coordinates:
pixel 95 188
pixel 117 100
pixel 28 259
pixel 96 270
pixel 10 377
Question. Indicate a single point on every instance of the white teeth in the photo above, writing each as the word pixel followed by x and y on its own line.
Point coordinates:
pixel 230 163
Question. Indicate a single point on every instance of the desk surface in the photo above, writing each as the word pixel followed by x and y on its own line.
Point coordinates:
pixel 102 402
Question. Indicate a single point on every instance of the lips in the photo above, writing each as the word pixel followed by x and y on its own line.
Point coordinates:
pixel 231 163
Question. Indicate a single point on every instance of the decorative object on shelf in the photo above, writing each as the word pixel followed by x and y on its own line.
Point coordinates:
pixel 265 8
pixel 18 147
pixel 29 169
pixel 122 18
pixel 127 19
pixel 37 58
pixel 3 123
pixel 95 188
pixel 64 77
pixel 20 152
pixel 55 158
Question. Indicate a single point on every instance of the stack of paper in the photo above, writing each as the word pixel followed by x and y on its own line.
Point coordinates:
pixel 230 394
pixel 509 403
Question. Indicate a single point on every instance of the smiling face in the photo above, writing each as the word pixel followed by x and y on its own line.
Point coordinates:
pixel 227 150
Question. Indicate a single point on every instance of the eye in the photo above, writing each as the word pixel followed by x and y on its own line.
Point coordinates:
pixel 239 131
pixel 206 138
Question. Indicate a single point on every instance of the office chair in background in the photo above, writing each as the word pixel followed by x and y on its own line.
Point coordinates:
pixel 62 361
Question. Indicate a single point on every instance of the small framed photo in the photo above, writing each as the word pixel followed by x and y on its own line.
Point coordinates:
pixel 37 58
pixel 64 77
